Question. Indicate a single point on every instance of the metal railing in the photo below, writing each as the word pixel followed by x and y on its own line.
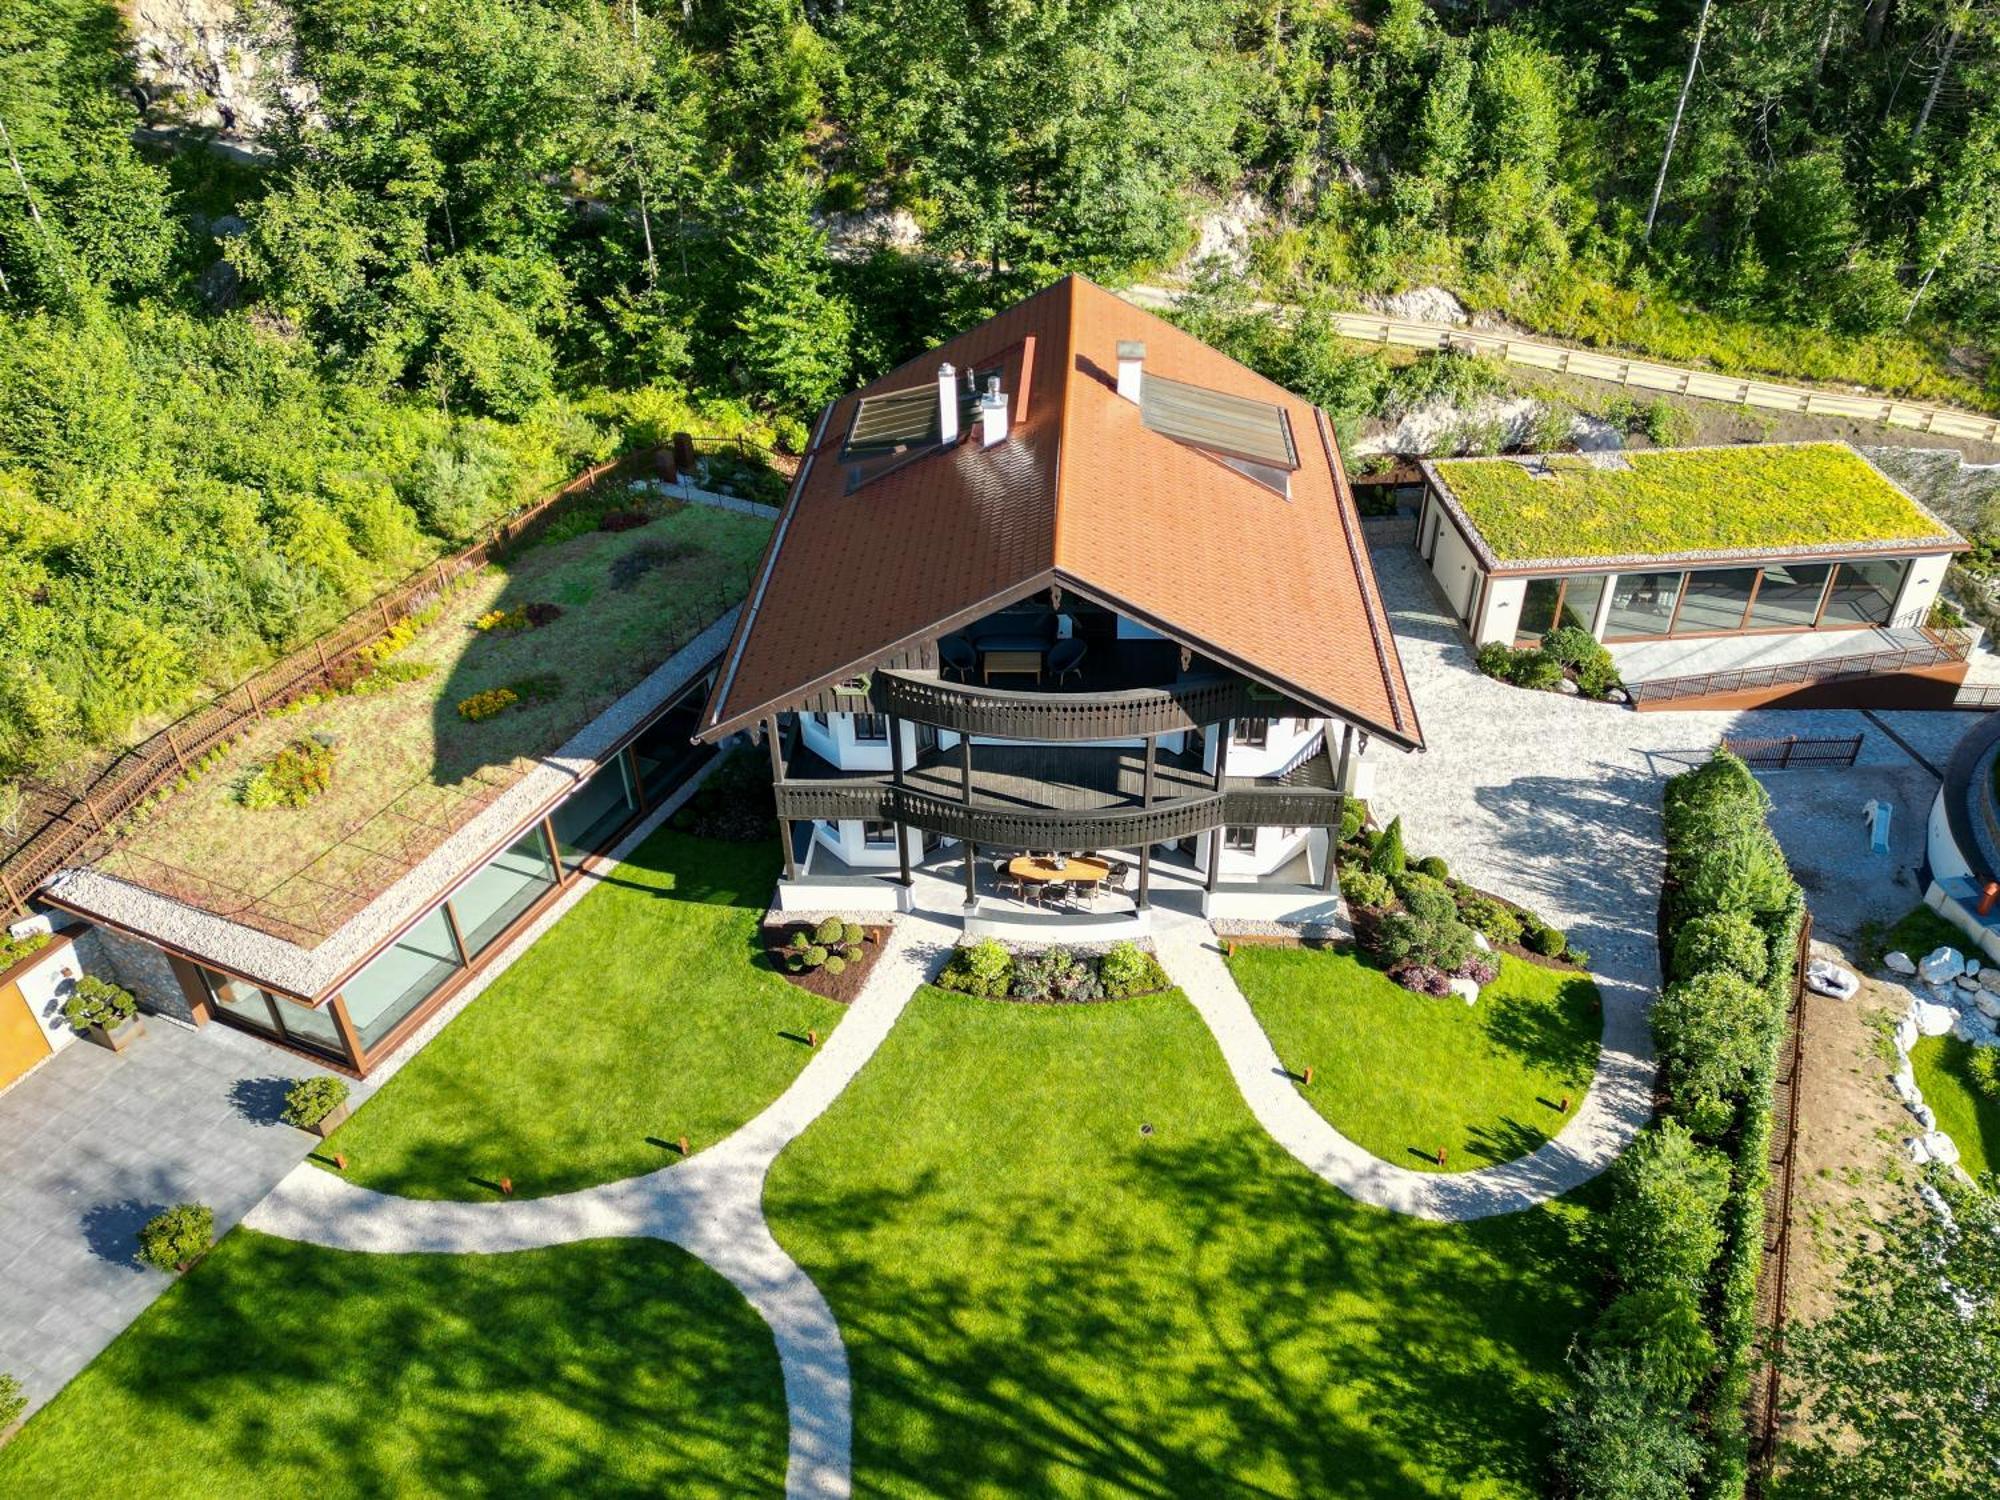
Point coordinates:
pixel 1640 374
pixel 60 825
pixel 1941 647
pixel 1985 696
pixel 1127 713
pixel 1791 751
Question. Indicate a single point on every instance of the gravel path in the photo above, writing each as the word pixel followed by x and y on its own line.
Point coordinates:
pixel 1619 1101
pixel 711 1206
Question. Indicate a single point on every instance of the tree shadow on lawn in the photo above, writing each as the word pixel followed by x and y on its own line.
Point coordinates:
pixel 606 1368
pixel 1557 1036
pixel 1252 1334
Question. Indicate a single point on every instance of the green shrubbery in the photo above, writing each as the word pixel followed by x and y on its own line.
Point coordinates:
pixel 310 1100
pixel 832 946
pixel 176 1238
pixel 294 776
pixel 987 969
pixel 98 1002
pixel 1566 653
pixel 1671 1356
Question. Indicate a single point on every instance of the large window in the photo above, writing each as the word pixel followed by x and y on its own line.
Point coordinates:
pixel 1241 839
pixel 599 807
pixel 1550 602
pixel 1255 733
pixel 273 1015
pixel 1789 596
pixel 666 750
pixel 1716 600
pixel 401 977
pixel 507 885
pixel 1642 604
pixel 1864 593
pixel 877 835
pixel 870 728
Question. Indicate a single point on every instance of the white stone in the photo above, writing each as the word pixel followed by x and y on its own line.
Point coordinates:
pixel 1989 978
pixel 1925 1116
pixel 1567 687
pixel 1899 963
pixel 1934 1201
pixel 1941 965
pixel 1934 1020
pixel 1906 1034
pixel 1479 941
pixel 1905 1085
pixel 1974 967
pixel 1824 977
pixel 1919 1152
pixel 1988 1004
pixel 1974 1028
pixel 1942 1148
pixel 1466 990
pixel 1967 981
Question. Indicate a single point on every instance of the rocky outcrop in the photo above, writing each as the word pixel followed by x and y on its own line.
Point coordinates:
pixel 202 63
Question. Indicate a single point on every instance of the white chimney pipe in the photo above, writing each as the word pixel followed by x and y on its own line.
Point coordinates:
pixel 992 414
pixel 1131 369
pixel 947 404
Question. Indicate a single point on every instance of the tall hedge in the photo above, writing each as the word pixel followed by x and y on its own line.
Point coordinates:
pixel 1725 876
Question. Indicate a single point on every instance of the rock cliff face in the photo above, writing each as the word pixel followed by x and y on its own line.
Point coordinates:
pixel 204 63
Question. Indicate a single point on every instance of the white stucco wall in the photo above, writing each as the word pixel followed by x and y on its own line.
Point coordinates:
pixel 1920 591
pixel 46 986
pixel 1456 570
pixel 1501 618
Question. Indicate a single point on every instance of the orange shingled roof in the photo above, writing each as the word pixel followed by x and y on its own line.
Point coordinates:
pixel 1079 494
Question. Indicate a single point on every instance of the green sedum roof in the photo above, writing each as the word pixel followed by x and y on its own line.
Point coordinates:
pixel 1669 502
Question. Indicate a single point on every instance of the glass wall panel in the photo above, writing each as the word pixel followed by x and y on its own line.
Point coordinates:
pixel 401 977
pixel 667 752
pixel 1716 599
pixel 588 819
pixel 505 886
pixel 1864 593
pixel 240 1001
pixel 1538 607
pixel 311 1028
pixel 1581 596
pixel 1643 604
pixel 1789 596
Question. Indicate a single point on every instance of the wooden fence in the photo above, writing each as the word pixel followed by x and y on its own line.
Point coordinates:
pixel 58 824
pixel 1644 375
pixel 1766 1400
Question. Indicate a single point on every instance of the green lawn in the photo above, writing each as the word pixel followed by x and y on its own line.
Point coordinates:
pixel 1040 1300
pixel 640 1017
pixel 1965 1111
pixel 602 1368
pixel 1401 1074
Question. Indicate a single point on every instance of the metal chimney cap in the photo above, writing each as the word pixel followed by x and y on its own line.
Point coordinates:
pixel 1131 349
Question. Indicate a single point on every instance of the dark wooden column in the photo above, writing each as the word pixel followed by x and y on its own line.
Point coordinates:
pixel 896 772
pixel 1329 878
pixel 971 849
pixel 1146 848
pixel 778 775
pixel 1221 774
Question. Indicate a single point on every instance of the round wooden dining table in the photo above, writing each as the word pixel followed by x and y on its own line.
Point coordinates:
pixel 1031 869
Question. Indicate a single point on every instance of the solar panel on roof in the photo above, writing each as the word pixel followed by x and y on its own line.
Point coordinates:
pixel 1230 426
pixel 893 420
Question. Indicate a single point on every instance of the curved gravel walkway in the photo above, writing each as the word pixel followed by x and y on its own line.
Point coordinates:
pixel 711 1206
pixel 1619 1101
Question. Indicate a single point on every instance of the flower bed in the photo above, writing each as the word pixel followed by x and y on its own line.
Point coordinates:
pixel 494 701
pixel 294 776
pixel 1569 659
pixel 1053 976
pixel 1418 922
pixel 832 958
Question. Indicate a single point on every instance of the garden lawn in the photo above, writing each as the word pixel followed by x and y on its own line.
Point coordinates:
pixel 645 1014
pixel 1401 1074
pixel 1965 1110
pixel 612 1367
pixel 1039 1299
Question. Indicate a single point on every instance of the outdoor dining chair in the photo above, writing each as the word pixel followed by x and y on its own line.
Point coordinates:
pixel 955 654
pixel 1066 659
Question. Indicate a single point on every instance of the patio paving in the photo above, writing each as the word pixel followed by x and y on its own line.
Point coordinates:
pixel 94 1143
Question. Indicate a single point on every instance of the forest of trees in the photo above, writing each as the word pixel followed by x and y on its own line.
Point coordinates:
pixel 492 239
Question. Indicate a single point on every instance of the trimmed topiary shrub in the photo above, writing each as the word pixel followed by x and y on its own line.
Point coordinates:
pixel 310 1100
pixel 1545 940
pixel 835 964
pixel 98 1002
pixel 853 934
pixel 1388 857
pixel 1721 940
pixel 1435 867
pixel 830 932
pixel 178 1237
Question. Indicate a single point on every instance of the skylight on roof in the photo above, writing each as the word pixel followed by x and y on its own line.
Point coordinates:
pixel 892 422
pixel 1253 437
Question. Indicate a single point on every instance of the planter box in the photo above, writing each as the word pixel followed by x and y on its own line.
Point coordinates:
pixel 118 1040
pixel 335 1118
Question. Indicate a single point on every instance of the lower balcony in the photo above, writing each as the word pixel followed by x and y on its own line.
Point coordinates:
pixel 1061 796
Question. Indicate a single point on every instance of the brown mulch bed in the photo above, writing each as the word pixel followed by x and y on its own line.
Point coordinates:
pixel 840 988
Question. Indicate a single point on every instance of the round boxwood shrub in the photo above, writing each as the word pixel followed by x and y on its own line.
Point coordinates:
pixel 98 1002
pixel 816 955
pixel 1721 940
pixel 851 952
pixel 176 1238
pixel 835 964
pixel 310 1100
pixel 1435 867
pixel 852 935
pixel 1545 940
pixel 830 932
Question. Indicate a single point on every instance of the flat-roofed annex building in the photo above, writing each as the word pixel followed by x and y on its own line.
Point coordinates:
pixel 1071 582
pixel 1741 563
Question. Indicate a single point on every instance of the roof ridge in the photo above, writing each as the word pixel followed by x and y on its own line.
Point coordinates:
pixel 1059 429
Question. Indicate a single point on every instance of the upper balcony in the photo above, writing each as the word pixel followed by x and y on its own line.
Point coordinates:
pixel 1031 672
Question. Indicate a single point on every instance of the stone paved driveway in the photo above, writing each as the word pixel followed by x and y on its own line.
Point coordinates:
pixel 94 1143
pixel 1555 802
